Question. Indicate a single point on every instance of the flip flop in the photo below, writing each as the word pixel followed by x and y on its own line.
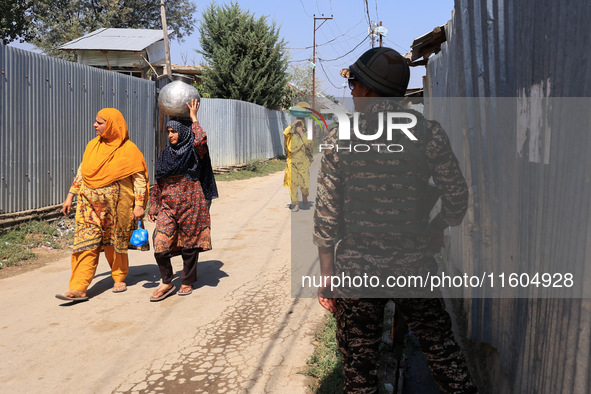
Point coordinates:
pixel 164 295
pixel 73 299
pixel 185 293
pixel 121 290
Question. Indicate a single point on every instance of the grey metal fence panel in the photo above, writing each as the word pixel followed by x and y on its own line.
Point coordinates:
pixel 521 209
pixel 48 108
pixel 238 132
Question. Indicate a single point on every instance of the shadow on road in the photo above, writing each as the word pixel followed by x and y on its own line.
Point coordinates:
pixel 209 273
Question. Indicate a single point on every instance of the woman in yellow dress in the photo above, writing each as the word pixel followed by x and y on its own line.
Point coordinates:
pixel 112 185
pixel 299 157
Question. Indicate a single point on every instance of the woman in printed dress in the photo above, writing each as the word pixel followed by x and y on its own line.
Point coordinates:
pixel 112 188
pixel 178 204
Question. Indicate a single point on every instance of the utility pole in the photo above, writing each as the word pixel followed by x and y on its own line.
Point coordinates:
pixel 377 30
pixel 314 57
pixel 167 66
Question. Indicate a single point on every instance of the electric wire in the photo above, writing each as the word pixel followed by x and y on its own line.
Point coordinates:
pixel 319 45
pixel 395 44
pixel 306 12
pixel 327 77
pixel 377 15
pixel 351 51
pixel 367 12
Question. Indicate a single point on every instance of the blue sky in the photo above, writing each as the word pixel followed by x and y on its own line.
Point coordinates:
pixel 339 41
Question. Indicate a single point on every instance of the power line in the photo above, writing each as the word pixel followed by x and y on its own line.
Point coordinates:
pixel 340 57
pixel 319 45
pixel 306 12
pixel 367 11
pixel 326 75
pixel 404 49
pixel 339 44
pixel 377 15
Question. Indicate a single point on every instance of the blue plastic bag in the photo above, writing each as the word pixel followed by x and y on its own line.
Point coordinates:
pixel 139 237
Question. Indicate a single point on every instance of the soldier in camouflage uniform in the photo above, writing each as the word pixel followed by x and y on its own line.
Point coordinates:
pixel 373 208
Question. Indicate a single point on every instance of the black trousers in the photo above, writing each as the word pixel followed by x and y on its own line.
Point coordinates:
pixel 190 258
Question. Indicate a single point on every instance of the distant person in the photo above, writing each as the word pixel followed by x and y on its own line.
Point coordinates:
pixel 179 205
pixel 298 150
pixel 112 188
pixel 372 219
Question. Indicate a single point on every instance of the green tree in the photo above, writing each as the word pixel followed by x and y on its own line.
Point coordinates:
pixel 59 21
pixel 300 76
pixel 244 56
pixel 15 20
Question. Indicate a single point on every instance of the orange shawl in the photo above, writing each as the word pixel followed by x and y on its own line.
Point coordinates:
pixel 111 156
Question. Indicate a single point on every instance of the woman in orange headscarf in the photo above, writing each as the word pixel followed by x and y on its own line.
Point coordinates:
pixel 111 184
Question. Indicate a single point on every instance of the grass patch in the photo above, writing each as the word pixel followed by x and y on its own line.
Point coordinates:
pixel 325 362
pixel 16 244
pixel 254 168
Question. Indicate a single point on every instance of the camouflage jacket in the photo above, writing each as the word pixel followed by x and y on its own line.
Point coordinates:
pixel 437 161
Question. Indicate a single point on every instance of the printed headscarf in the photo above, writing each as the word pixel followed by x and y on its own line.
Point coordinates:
pixel 111 156
pixel 180 158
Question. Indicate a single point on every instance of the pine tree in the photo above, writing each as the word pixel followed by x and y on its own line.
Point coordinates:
pixel 244 57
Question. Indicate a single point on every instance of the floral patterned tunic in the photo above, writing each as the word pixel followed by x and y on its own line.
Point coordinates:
pixel 182 212
pixel 104 216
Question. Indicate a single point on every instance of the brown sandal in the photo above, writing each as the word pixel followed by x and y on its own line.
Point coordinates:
pixel 163 294
pixel 119 287
pixel 185 290
pixel 76 296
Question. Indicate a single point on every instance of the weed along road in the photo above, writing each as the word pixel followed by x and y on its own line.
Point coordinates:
pixel 240 330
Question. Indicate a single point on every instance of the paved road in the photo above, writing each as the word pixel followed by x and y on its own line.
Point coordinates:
pixel 240 330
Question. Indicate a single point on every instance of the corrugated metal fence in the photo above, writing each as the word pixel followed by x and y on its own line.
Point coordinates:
pixel 238 132
pixel 47 109
pixel 530 187
pixel 48 106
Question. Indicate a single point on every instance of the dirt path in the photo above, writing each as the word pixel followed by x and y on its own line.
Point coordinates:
pixel 240 330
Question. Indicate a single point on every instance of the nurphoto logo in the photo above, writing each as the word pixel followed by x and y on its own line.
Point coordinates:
pixel 395 122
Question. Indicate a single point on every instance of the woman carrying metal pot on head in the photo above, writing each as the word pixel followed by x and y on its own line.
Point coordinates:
pixel 178 204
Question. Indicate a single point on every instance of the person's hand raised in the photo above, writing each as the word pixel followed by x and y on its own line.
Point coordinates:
pixel 193 108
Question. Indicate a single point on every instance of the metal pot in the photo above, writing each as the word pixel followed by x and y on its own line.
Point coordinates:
pixel 174 96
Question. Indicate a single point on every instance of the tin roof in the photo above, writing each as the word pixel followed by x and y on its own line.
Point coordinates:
pixel 111 39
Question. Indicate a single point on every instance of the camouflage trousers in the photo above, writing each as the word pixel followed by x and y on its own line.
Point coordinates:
pixel 359 332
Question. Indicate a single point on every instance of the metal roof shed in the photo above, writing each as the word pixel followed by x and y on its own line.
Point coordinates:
pixel 122 50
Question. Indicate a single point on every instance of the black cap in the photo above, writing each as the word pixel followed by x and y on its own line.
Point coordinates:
pixel 383 70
